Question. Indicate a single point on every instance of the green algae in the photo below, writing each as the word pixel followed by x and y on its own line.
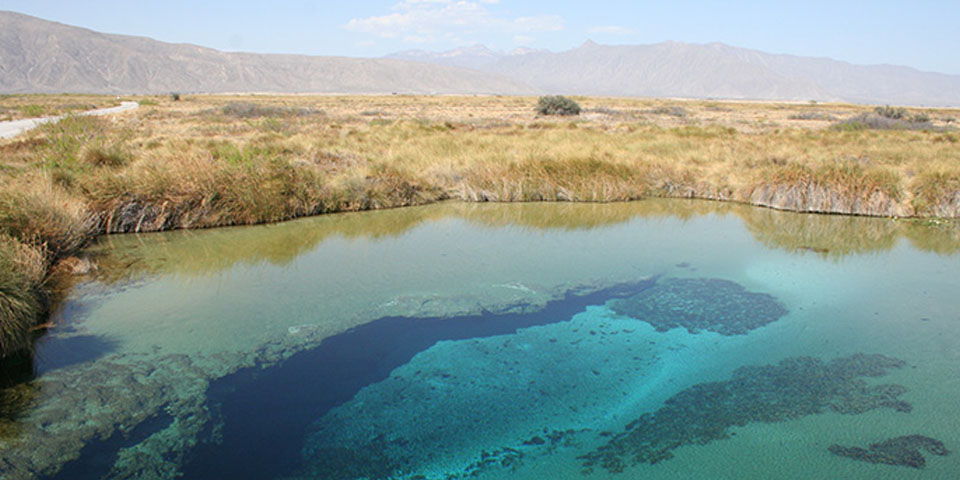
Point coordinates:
pixel 697 304
pixel 794 388
pixel 902 451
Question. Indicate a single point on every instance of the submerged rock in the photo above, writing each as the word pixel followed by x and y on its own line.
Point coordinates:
pixel 794 388
pixel 903 451
pixel 464 407
pixel 699 304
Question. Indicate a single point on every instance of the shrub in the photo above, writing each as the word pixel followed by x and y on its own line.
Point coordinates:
pixel 896 113
pixel 812 116
pixel 672 111
pixel 870 121
pixel 253 110
pixel 921 118
pixel 175 97
pixel 557 105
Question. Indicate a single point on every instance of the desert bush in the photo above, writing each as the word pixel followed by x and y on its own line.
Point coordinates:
pixel 175 97
pixel 672 111
pixel 253 110
pixel 557 105
pixel 896 113
pixel 812 116
pixel 920 118
pixel 872 121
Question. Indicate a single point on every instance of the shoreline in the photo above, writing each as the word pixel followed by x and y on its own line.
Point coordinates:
pixel 70 262
pixel 212 161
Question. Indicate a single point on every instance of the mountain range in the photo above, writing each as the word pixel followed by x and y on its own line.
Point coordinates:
pixel 38 56
pixel 715 70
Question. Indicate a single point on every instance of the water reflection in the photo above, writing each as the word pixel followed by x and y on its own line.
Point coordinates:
pixel 203 252
pixel 16 394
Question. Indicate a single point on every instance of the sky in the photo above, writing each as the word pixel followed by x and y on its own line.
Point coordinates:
pixel 923 34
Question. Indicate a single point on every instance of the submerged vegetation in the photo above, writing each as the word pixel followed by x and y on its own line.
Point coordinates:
pixel 697 304
pixel 794 388
pixel 205 161
pixel 904 451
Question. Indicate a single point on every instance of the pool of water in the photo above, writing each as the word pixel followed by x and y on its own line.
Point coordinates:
pixel 654 339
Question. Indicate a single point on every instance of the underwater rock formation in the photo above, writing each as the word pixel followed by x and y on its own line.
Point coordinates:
pixel 83 404
pixel 699 304
pixel 464 407
pixel 794 388
pixel 903 451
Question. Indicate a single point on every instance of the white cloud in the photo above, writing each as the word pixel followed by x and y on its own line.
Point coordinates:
pixel 611 29
pixel 426 20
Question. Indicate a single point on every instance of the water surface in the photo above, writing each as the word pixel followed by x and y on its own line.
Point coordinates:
pixel 655 339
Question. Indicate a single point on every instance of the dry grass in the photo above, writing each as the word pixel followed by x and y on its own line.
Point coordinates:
pixel 37 213
pixel 15 107
pixel 22 270
pixel 207 161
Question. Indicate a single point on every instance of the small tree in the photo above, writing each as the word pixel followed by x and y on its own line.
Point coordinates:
pixel 557 105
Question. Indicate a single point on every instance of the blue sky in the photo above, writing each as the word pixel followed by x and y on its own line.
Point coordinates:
pixel 922 34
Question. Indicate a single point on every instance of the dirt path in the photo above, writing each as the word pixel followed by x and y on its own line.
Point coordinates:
pixel 16 127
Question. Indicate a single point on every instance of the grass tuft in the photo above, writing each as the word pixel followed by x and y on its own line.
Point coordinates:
pixel 937 194
pixel 21 272
pixel 39 214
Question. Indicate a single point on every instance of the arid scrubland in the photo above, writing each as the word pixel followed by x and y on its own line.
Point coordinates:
pixel 206 161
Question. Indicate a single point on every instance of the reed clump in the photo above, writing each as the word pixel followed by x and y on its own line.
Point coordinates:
pixel 39 225
pixel 37 213
pixel 841 187
pixel 22 270
pixel 571 179
pixel 937 194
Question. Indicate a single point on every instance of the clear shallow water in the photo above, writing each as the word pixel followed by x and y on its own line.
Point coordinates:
pixel 501 341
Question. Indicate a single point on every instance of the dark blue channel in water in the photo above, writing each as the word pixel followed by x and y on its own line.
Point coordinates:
pixel 266 411
pixel 97 458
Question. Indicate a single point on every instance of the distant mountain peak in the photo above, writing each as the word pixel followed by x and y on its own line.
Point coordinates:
pixel 43 57
pixel 38 56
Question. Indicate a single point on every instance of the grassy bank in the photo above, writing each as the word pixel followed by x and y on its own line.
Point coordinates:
pixel 207 161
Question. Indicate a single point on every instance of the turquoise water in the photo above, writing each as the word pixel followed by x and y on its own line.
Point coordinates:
pixel 656 339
